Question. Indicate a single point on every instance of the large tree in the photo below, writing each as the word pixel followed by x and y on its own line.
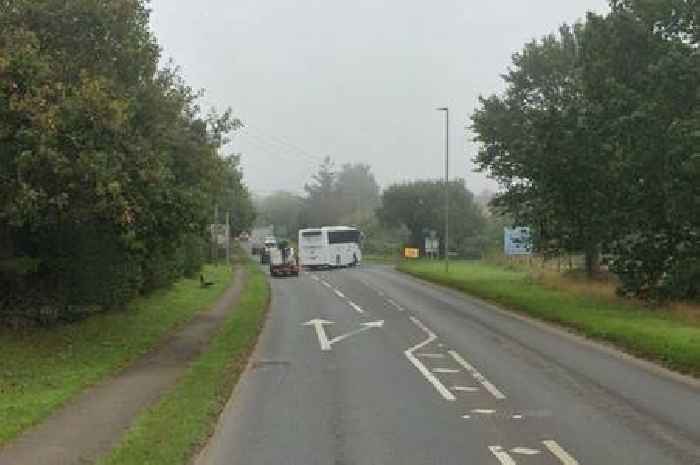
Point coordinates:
pixel 595 142
pixel 420 207
pixel 537 144
pixel 107 169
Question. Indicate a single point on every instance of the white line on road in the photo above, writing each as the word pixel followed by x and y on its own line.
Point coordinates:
pixel 318 324
pixel 395 305
pixel 465 388
pixel 502 455
pixel 444 370
pixel 365 327
pixel 560 453
pixel 326 284
pixel 431 355
pixel 483 411
pixel 355 307
pixel 339 294
pixel 444 392
pixel 477 376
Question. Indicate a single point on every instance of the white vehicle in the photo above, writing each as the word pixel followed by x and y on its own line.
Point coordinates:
pixel 330 246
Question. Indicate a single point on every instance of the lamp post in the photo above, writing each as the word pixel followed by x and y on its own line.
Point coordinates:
pixel 447 187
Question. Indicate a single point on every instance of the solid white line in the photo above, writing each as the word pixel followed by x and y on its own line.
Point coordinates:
pixel 326 284
pixel 339 294
pixel 477 376
pixel 431 355
pixel 395 305
pixel 483 411
pixel 444 392
pixel 356 307
pixel 444 370
pixel 560 453
pixel 502 455
pixel 465 388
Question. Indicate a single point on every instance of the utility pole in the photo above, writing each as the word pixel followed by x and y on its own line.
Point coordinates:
pixel 214 235
pixel 228 237
pixel 447 187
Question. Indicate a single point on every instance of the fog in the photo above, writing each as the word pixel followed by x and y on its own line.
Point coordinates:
pixel 357 81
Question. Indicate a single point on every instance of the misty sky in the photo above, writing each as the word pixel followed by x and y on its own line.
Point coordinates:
pixel 358 80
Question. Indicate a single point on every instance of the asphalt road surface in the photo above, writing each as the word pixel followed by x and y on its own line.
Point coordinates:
pixel 368 366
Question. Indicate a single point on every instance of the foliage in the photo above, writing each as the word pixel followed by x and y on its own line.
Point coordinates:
pixel 107 169
pixel 595 143
pixel 420 207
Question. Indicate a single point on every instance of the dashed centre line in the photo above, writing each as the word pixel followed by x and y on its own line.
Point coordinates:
pixel 339 294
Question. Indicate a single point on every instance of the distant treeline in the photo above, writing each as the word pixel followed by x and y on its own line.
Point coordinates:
pixel 596 143
pixel 402 215
pixel 108 172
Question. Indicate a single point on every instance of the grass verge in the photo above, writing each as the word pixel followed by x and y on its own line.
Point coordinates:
pixel 662 335
pixel 172 430
pixel 42 368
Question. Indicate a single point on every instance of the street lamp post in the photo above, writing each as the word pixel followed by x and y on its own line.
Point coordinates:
pixel 447 187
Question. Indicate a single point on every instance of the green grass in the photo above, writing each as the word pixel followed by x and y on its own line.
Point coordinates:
pixel 171 431
pixel 42 368
pixel 657 334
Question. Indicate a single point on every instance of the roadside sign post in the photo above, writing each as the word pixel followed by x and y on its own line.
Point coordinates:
pixel 517 241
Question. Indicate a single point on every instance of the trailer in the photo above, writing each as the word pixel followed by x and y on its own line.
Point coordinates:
pixel 283 262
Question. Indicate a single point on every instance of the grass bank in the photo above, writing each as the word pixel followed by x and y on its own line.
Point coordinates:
pixel 171 431
pixel 664 335
pixel 42 368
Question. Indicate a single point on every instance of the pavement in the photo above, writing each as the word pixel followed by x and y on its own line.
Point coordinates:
pixel 368 366
pixel 91 424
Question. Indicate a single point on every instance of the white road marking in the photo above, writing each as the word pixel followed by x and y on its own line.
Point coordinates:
pixel 477 376
pixel 444 370
pixel 395 305
pixel 356 307
pixel 431 355
pixel 339 294
pixel 365 327
pixel 525 451
pixel 444 392
pixel 560 453
pixel 517 417
pixel 466 417
pixel 326 284
pixel 502 455
pixel 320 332
pixel 483 411
pixel 314 277
pixel 465 388
pixel 323 340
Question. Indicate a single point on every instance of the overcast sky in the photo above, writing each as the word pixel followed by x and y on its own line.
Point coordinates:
pixel 357 80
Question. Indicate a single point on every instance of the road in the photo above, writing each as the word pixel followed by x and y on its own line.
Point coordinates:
pixel 371 367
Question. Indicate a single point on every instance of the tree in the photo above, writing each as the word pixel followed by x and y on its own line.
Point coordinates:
pixel 536 143
pixel 640 74
pixel 357 189
pixel 595 143
pixel 420 207
pixel 321 203
pixel 107 169
pixel 283 210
